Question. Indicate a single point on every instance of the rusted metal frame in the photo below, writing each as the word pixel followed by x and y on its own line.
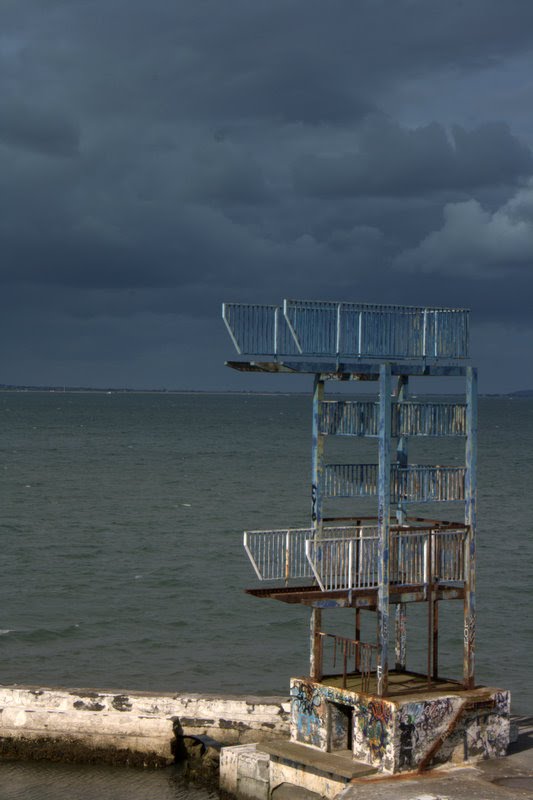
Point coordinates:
pixel 437 523
pixel 469 634
pixel 349 371
pixel 357 638
pixel 351 648
pixel 402 393
pixel 313 597
pixel 315 635
pixel 384 479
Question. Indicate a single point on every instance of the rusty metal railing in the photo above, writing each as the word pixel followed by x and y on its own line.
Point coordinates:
pixel 360 418
pixel 349 563
pixel 342 558
pixel 416 483
pixel 352 563
pixel 352 650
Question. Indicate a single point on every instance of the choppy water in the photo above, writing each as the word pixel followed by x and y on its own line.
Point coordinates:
pixel 122 564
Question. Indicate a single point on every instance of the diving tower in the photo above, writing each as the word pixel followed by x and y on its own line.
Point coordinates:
pixel 384 562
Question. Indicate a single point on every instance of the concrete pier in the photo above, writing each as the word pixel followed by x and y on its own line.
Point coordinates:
pixel 141 728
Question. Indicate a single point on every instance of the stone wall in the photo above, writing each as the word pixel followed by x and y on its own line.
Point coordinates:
pixel 133 727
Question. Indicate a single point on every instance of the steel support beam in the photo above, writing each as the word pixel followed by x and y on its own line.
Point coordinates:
pixel 384 470
pixel 402 461
pixel 317 456
pixel 315 665
pixel 470 519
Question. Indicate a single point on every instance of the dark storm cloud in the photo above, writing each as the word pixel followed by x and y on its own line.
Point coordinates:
pixel 392 160
pixel 157 159
pixel 37 129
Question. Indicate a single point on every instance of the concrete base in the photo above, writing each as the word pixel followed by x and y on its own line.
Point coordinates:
pixel 256 773
pixel 492 779
pixel 245 772
pixel 402 732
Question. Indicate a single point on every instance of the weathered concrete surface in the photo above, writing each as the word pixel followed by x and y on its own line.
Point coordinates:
pixel 133 727
pixel 250 772
pixel 402 733
pixel 244 773
pixel 508 778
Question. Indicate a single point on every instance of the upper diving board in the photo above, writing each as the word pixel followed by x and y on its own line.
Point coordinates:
pixel 322 329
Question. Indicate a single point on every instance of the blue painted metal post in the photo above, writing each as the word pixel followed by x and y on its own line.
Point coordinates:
pixel 317 467
pixel 384 470
pixel 470 519
pixel 317 457
pixel 401 460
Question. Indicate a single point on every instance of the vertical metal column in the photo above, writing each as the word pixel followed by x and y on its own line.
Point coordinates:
pixel 470 519
pixel 317 456
pixel 315 667
pixel 384 469
pixel 317 467
pixel 401 460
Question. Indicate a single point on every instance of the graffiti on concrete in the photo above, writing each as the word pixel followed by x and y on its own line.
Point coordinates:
pixel 419 724
pixel 305 698
pixel 308 715
pixel 373 722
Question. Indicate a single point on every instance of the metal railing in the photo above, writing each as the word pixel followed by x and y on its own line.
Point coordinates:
pixel 361 653
pixel 350 563
pixel 348 330
pixel 347 557
pixel 416 483
pixel 427 484
pixel 259 329
pixel 279 554
pixel 353 563
pixel 361 418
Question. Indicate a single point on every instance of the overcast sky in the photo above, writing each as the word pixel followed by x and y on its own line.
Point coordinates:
pixel 159 157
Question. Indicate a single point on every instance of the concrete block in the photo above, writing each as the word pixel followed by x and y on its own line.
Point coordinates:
pixel 244 772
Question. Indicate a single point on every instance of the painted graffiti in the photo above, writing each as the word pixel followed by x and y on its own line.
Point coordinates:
pixel 314 496
pixel 419 724
pixel 304 697
pixel 373 722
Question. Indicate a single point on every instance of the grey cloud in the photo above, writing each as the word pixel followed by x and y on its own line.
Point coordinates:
pixel 39 130
pixel 223 173
pixel 299 61
pixel 388 159
pixel 477 243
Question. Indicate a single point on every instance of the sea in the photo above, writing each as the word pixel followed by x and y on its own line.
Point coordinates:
pixel 122 565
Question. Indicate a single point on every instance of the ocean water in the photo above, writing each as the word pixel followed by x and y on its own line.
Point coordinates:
pixel 122 562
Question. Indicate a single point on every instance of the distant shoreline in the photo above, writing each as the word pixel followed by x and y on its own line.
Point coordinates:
pixel 522 393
